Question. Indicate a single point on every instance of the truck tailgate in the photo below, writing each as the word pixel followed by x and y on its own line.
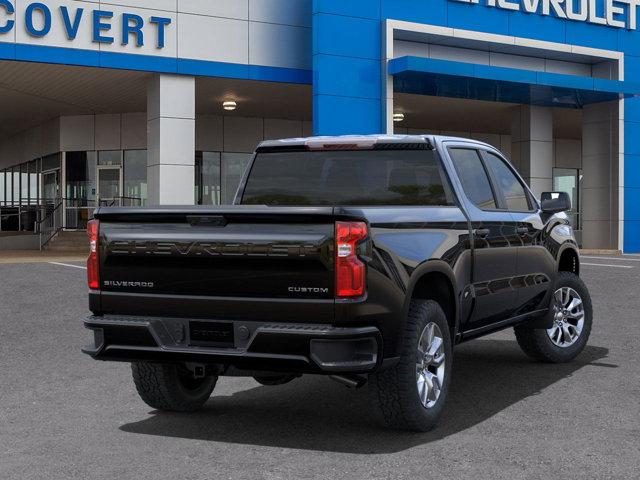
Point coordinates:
pixel 188 254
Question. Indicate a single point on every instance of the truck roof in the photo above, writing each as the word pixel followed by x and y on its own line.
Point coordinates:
pixel 359 141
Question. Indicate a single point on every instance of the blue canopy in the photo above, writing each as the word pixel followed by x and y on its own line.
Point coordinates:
pixel 446 78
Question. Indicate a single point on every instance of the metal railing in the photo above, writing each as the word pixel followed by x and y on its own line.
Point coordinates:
pixel 49 221
pixel 20 214
pixel 78 211
pixel 121 202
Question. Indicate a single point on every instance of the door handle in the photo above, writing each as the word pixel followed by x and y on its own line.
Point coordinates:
pixel 481 232
pixel 522 231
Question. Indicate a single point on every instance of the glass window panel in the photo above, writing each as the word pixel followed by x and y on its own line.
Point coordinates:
pixel 2 188
pixel 473 177
pixel 135 177
pixel 50 186
pixel 514 192
pixel 110 157
pixel 24 183
pixel 16 186
pixel 208 186
pixel 8 186
pixel 109 183
pixel 33 181
pixel 233 167
pixel 51 162
pixel 197 188
pixel 92 186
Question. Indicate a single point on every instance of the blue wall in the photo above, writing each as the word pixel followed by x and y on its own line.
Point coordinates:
pixel 347 67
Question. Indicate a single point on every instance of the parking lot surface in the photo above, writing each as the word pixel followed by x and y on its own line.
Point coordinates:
pixel 65 416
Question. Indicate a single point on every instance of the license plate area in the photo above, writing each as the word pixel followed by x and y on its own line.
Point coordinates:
pixel 211 334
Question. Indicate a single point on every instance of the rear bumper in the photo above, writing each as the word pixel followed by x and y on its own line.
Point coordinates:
pixel 301 348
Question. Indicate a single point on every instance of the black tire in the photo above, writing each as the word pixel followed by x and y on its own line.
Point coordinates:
pixel 269 381
pixel 394 392
pixel 171 387
pixel 537 344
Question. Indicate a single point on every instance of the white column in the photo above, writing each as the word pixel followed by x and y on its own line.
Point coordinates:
pixel 600 175
pixel 171 140
pixel 532 146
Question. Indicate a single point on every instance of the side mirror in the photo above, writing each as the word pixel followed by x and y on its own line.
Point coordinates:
pixel 555 202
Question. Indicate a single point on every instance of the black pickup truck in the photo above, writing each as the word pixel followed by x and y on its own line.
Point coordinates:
pixel 362 258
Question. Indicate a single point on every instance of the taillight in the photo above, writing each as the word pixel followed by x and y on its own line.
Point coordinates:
pixel 93 262
pixel 350 271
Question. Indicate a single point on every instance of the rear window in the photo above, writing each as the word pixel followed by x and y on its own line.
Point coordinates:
pixel 366 177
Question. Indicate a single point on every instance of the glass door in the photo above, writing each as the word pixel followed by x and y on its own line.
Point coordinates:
pixel 568 180
pixel 50 216
pixel 51 186
pixel 109 186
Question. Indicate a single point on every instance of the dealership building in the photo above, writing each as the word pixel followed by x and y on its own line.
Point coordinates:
pixel 153 102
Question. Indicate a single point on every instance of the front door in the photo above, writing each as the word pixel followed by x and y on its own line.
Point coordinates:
pixel 535 265
pixel 494 235
pixel 109 186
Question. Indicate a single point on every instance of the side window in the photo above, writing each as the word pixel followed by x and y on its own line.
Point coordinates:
pixel 473 177
pixel 514 192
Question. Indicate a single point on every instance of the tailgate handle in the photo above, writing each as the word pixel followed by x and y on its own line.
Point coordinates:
pixel 209 220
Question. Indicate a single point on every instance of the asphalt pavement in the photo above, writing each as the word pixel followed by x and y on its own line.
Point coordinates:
pixel 65 416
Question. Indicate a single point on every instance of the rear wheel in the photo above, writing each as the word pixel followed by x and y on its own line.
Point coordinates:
pixel 572 319
pixel 171 387
pixel 412 394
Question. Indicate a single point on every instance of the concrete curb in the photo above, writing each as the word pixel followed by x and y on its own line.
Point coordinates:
pixel 598 251
pixel 30 256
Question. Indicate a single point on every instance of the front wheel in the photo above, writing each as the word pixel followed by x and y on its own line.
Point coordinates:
pixel 572 319
pixel 171 387
pixel 411 395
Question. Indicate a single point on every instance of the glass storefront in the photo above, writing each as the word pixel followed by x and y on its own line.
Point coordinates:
pixel 218 176
pixel 79 181
pixel 83 180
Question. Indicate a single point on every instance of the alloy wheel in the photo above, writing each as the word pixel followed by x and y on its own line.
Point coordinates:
pixel 430 365
pixel 568 317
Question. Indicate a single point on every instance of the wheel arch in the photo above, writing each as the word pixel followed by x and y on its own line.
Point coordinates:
pixel 435 280
pixel 569 259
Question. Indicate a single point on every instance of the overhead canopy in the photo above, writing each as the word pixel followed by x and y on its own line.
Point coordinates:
pixel 446 78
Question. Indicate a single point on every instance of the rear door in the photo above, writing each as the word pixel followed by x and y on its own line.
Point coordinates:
pixel 535 265
pixel 493 235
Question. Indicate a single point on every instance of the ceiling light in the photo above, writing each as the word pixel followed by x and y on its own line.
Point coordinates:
pixel 229 106
pixel 398 117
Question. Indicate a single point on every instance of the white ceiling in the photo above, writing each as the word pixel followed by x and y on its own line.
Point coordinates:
pixel 476 116
pixel 32 93
pixel 255 99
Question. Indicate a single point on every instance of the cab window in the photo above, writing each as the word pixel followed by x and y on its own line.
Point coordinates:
pixel 514 193
pixel 473 177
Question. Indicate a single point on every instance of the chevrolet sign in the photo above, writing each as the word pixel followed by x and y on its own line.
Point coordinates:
pixel 613 13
